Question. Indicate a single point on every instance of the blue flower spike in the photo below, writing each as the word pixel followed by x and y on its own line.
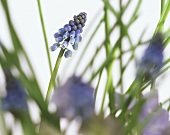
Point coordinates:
pixel 70 34
pixel 152 60
pixel 16 99
pixel 74 98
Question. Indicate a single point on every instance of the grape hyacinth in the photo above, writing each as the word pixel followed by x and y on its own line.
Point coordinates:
pixel 159 119
pixel 74 98
pixel 70 34
pixel 15 100
pixel 152 60
pixel 158 123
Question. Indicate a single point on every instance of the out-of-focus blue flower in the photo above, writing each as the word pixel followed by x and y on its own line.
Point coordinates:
pixel 74 98
pixel 152 59
pixel 158 119
pixel 70 33
pixel 15 100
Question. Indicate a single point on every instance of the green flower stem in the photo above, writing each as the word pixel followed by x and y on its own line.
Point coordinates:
pixel 162 5
pixel 54 74
pixel 126 6
pixel 109 88
pixel 161 13
pixel 27 125
pixel 163 17
pixel 134 15
pixel 110 7
pixel 45 36
pixel 97 87
pixel 109 83
pixel 120 47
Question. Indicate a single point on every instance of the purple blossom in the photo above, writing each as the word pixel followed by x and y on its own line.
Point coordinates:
pixel 15 100
pixel 159 118
pixel 152 59
pixel 71 33
pixel 74 98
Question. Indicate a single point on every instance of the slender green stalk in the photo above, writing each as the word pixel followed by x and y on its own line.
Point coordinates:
pixel 97 87
pixel 44 34
pixel 134 15
pixel 120 47
pixel 163 17
pixel 54 74
pixel 27 124
pixel 110 7
pixel 126 6
pixel 162 5
pixel 109 83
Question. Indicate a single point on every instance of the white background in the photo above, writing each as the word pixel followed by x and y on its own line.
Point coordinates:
pixel 56 13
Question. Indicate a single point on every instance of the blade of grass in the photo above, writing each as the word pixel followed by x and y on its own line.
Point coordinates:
pixel 97 87
pixel 110 7
pixel 44 34
pixel 163 17
pixel 126 6
pixel 134 14
pixel 109 83
pixel 135 117
pixel 16 41
pixel 120 46
pixel 27 124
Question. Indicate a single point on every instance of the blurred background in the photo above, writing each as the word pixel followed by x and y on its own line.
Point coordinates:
pixel 56 13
